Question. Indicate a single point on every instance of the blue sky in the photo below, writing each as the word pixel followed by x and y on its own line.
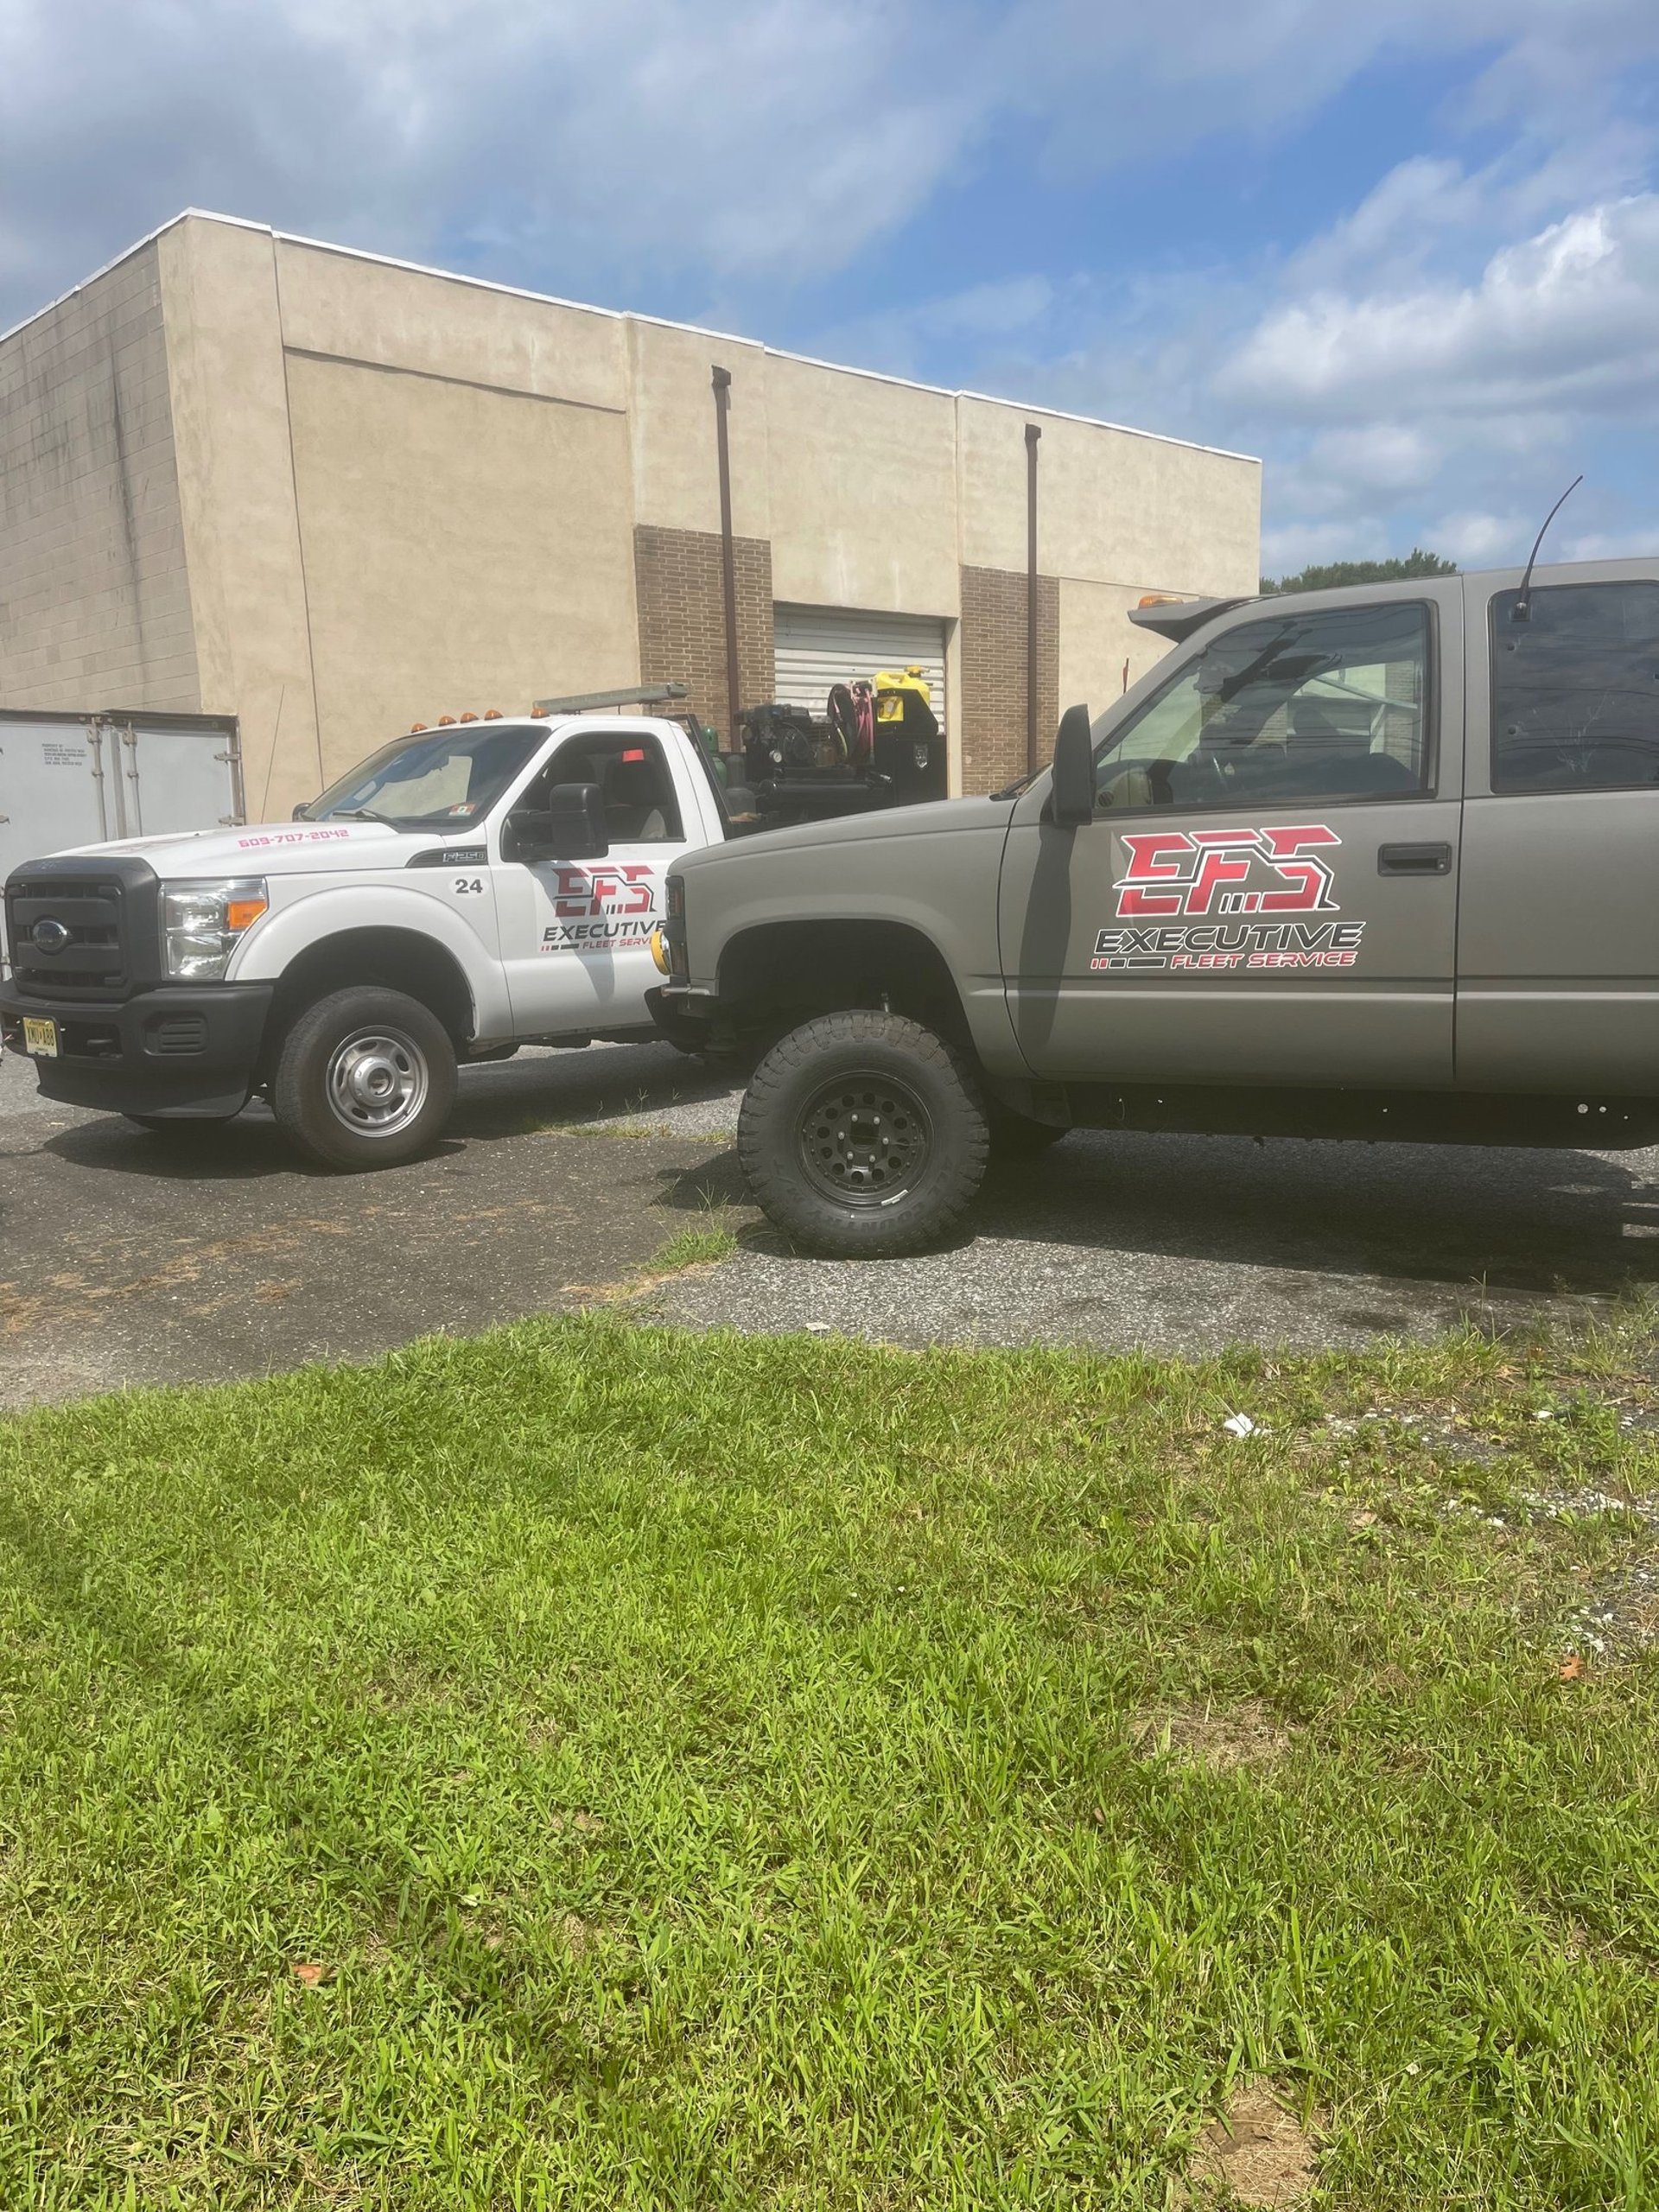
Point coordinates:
pixel 1408 252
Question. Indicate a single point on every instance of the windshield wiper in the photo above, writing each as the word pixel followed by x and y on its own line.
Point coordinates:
pixel 358 814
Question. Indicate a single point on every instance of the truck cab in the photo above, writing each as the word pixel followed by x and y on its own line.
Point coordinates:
pixel 469 888
pixel 1372 862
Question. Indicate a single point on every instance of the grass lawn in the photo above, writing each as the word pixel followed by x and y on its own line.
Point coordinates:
pixel 593 1766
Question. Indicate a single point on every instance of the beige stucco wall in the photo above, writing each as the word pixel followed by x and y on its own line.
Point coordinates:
pixel 464 548
pixel 1096 638
pixel 340 304
pixel 1113 506
pixel 671 418
pixel 863 491
pixel 94 607
pixel 236 486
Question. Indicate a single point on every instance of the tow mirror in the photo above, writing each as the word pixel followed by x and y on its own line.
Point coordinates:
pixel 1071 796
pixel 571 827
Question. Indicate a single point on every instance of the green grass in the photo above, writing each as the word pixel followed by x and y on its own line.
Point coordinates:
pixel 724 1773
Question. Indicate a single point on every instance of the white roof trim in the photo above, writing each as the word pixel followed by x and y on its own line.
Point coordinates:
pixel 620 314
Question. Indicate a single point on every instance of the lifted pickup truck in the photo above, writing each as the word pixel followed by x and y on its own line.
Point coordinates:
pixel 469 888
pixel 1381 862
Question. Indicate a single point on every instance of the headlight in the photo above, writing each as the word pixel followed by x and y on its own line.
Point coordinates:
pixel 201 922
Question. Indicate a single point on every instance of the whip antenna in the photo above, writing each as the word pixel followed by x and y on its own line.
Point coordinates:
pixel 1521 611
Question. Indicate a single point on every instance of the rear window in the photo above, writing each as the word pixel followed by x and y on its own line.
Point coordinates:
pixel 1575 689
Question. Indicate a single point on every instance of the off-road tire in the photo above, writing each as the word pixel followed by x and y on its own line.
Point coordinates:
pixel 1016 1136
pixel 912 1162
pixel 332 1061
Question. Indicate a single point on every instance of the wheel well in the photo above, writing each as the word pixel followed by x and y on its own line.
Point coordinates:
pixel 799 969
pixel 397 960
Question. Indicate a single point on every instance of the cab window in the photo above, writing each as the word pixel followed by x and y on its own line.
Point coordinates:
pixel 1575 689
pixel 631 770
pixel 1327 706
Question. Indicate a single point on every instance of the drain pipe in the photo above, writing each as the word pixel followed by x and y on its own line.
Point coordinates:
pixel 1032 434
pixel 722 382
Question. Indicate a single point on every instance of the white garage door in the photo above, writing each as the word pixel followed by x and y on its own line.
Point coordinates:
pixel 817 646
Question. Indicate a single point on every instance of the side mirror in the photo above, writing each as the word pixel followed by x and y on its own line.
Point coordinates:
pixel 571 827
pixel 1072 797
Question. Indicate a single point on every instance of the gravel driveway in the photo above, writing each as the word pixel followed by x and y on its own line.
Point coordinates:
pixel 129 1259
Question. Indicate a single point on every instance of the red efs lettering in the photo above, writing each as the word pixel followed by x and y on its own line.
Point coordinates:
pixel 1200 871
pixel 584 894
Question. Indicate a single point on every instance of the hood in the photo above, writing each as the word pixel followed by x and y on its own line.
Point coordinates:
pixel 939 815
pixel 271 848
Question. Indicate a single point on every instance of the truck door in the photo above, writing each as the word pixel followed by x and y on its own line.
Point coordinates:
pixel 575 934
pixel 1558 934
pixel 1267 892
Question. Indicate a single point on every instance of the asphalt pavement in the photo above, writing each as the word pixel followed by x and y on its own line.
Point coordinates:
pixel 128 1258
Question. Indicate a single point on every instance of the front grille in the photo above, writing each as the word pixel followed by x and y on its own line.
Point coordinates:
pixel 91 960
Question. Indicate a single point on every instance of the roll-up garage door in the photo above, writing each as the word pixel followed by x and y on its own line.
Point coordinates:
pixel 817 646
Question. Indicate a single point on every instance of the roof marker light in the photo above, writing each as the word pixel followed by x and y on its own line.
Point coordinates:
pixel 446 722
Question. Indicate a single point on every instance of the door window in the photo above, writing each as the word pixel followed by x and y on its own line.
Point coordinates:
pixel 641 807
pixel 1575 689
pixel 1327 706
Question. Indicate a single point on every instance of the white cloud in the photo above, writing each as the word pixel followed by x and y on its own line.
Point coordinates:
pixel 1569 318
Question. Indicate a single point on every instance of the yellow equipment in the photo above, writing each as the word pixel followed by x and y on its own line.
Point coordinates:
pixel 891 685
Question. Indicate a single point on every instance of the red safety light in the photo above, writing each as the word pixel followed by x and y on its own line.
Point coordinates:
pixel 634 752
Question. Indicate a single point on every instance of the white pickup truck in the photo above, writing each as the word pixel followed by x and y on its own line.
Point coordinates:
pixel 467 889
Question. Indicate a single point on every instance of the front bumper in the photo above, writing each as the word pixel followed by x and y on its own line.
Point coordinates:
pixel 175 1052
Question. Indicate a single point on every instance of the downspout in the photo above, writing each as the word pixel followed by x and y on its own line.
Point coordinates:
pixel 722 382
pixel 1033 763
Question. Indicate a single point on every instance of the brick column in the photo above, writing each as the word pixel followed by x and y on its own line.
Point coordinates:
pixel 993 706
pixel 682 621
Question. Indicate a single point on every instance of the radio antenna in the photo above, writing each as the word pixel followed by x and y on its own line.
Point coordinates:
pixel 1521 611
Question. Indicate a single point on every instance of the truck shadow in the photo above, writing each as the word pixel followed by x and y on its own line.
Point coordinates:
pixel 1533 1224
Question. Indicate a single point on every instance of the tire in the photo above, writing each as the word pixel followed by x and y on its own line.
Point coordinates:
pixel 864 1136
pixel 1016 1136
pixel 365 1079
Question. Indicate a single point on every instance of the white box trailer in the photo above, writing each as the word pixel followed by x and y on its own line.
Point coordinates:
pixel 76 779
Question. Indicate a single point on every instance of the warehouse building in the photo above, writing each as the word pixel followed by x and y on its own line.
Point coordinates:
pixel 245 474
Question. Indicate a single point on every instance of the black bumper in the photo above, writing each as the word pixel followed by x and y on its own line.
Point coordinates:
pixel 188 1052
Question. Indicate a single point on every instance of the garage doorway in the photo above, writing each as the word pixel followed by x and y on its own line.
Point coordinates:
pixel 817 646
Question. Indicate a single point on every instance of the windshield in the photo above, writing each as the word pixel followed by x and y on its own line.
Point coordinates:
pixel 432 780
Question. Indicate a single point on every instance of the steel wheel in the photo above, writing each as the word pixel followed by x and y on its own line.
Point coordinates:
pixel 864 1139
pixel 376 1082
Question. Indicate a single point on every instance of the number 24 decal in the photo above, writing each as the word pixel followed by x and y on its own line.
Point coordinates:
pixel 465 883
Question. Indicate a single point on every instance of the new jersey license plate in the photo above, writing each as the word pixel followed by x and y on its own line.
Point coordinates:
pixel 41 1037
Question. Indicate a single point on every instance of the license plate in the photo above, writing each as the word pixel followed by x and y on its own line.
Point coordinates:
pixel 41 1037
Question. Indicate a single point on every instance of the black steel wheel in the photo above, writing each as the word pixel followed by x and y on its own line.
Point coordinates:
pixel 864 1138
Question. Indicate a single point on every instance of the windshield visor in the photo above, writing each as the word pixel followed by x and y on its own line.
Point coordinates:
pixel 442 779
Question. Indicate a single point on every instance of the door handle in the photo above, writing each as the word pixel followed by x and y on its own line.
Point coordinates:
pixel 1414 859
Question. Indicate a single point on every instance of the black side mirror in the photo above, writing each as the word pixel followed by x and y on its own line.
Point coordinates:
pixel 1071 796
pixel 571 827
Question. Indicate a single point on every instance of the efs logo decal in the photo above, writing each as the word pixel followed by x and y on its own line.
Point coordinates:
pixel 600 909
pixel 1196 872
pixel 1189 874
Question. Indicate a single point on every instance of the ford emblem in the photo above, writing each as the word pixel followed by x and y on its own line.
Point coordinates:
pixel 50 935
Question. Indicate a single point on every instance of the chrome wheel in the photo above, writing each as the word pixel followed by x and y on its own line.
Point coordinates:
pixel 376 1082
pixel 864 1140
